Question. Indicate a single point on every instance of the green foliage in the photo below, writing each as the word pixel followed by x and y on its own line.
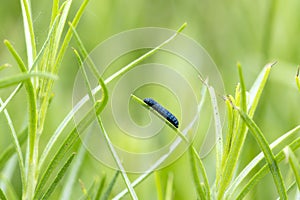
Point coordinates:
pixel 45 156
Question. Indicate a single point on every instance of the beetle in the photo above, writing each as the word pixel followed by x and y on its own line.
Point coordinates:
pixel 162 111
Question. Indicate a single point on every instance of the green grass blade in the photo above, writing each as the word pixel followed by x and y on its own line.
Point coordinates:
pixel 69 35
pixel 270 158
pixel 294 164
pixel 169 190
pixel 67 144
pixel 2 195
pixel 257 88
pixel 73 175
pixel 10 150
pixel 197 182
pixel 15 79
pixel 237 143
pixel 298 79
pixel 17 146
pixel 264 171
pixel 100 188
pixel 29 32
pixel 59 176
pixel 245 173
pixel 218 130
pixel 4 66
pixel 158 186
pixel 110 187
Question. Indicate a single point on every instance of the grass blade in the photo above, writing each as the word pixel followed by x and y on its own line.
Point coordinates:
pixel 72 177
pixel 100 188
pixel 257 88
pixel 270 158
pixel 2 67
pixel 17 146
pixel 197 182
pixel 29 32
pixel 15 79
pixel 298 79
pixel 110 187
pixel 10 150
pixel 59 176
pixel 158 186
pixel 245 173
pixel 294 164
pixel 265 170
pixel 2 195
pixel 169 190
pixel 218 130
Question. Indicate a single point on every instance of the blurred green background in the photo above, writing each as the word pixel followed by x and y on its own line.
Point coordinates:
pixel 251 32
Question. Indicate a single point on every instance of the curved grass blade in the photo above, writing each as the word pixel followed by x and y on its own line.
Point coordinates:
pixel 110 187
pixel 100 188
pixel 4 66
pixel 2 195
pixel 265 170
pixel 10 150
pixel 15 79
pixel 294 164
pixel 270 158
pixel 245 173
pixel 73 175
pixel 17 146
pixel 59 176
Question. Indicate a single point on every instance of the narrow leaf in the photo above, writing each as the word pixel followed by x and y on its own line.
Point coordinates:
pixel 294 164
pixel 169 190
pixel 298 79
pixel 2 195
pixel 110 187
pixel 59 176
pixel 100 188
pixel 15 79
pixel 270 158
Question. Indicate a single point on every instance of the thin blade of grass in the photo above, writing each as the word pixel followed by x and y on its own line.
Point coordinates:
pixel 29 32
pixel 257 88
pixel 4 66
pixel 100 188
pixel 11 149
pixel 169 190
pixel 218 130
pixel 73 175
pixel 59 176
pixel 270 158
pixel 245 173
pixel 297 78
pixel 158 186
pixel 197 181
pixel 294 164
pixel 264 171
pixel 17 146
pixel 16 79
pixel 2 195
pixel 110 187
